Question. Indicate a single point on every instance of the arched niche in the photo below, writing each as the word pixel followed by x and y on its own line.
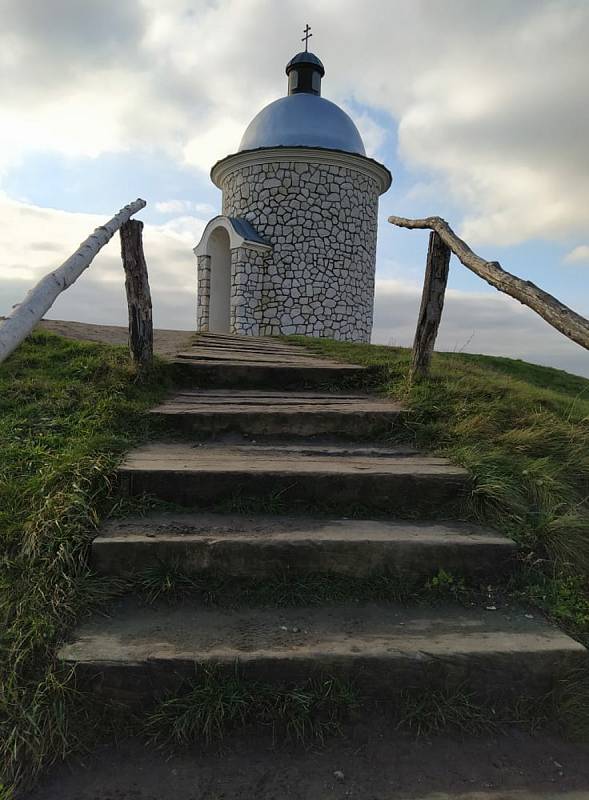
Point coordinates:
pixel 221 236
pixel 220 285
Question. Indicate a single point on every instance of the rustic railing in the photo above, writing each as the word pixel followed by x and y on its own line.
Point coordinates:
pixel 17 325
pixel 444 241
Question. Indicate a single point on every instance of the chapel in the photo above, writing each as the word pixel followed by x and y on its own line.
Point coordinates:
pixel 294 251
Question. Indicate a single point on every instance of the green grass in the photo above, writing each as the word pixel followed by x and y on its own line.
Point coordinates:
pixel 522 431
pixel 170 582
pixel 68 412
pixel 217 704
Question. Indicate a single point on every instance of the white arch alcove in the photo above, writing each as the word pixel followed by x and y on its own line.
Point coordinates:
pixel 220 287
pixel 221 239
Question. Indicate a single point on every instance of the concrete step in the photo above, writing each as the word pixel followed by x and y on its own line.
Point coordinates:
pixel 142 651
pixel 261 546
pixel 321 475
pixel 273 413
pixel 242 362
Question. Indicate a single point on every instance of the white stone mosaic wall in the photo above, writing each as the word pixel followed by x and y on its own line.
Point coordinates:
pixel 321 221
pixel 203 292
pixel 249 295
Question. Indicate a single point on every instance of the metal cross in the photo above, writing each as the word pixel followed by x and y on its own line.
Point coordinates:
pixel 306 37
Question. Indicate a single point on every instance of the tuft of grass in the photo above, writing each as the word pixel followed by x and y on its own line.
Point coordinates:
pixel 166 580
pixel 563 597
pixel 218 703
pixel 430 712
pixel 214 705
pixel 68 412
pixel 572 701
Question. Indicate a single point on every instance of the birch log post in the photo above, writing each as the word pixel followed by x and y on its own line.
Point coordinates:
pixel 432 303
pixel 561 317
pixel 41 297
pixel 138 294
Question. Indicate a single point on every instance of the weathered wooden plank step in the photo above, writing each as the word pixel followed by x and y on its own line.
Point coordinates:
pixel 330 475
pixel 249 356
pixel 210 412
pixel 249 345
pixel 142 651
pixel 262 545
pixel 242 374
pixel 223 360
pixel 217 336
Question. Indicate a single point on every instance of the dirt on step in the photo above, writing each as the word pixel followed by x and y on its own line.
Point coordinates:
pixel 372 762
pixel 166 343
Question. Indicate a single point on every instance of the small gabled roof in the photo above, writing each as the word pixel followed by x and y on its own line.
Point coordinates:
pixel 241 234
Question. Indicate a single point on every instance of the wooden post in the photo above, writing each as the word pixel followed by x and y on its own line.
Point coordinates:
pixel 138 294
pixel 432 303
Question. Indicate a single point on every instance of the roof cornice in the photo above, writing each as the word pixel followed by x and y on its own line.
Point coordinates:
pixel 308 155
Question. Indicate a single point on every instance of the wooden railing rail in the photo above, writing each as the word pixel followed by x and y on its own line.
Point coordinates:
pixel 561 317
pixel 23 318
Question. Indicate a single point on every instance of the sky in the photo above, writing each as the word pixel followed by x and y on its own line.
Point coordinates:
pixel 479 109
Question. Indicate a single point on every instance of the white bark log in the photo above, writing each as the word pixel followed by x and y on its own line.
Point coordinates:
pixel 41 297
pixel 561 317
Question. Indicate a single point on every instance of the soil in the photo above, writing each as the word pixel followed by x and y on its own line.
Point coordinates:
pixel 372 762
pixel 166 343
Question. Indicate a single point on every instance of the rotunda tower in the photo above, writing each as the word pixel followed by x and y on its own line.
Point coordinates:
pixel 294 250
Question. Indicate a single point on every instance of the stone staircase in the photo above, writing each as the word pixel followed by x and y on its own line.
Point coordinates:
pixel 264 431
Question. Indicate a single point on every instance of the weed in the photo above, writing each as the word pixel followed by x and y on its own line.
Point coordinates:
pixel 444 586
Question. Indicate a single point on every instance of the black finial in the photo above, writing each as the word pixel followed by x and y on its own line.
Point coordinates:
pixel 306 37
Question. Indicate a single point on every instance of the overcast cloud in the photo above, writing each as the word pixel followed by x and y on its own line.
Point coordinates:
pixel 490 102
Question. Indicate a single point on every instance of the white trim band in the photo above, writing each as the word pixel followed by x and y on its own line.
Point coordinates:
pixel 302 155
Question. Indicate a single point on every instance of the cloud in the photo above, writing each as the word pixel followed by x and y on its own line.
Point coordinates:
pixel 373 135
pixel 214 141
pixel 183 206
pixel 492 324
pixel 578 255
pixel 98 295
pixel 491 99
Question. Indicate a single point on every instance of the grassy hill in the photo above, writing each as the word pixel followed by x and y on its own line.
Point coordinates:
pixel 69 410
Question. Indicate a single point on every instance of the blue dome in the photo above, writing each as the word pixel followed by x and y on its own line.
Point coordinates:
pixel 303 120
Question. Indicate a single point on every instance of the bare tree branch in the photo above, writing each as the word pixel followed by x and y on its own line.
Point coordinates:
pixel 561 317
